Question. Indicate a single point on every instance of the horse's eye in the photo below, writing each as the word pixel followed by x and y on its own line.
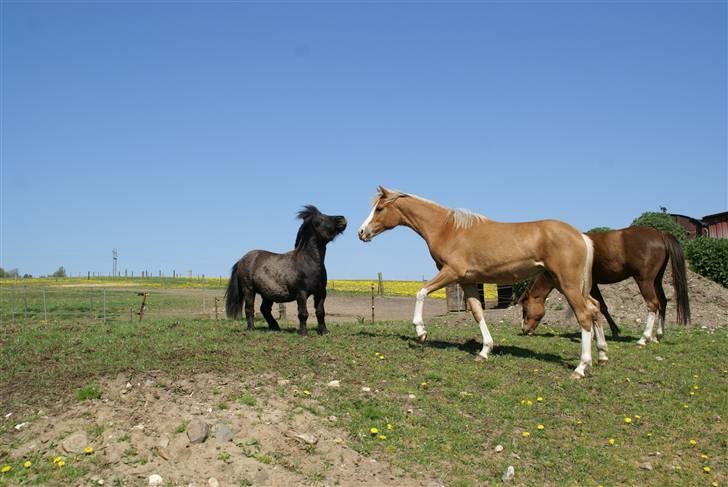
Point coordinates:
pixel 377 210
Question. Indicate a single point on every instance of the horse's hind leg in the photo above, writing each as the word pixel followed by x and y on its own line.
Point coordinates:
pixel 473 299
pixel 584 311
pixel 265 308
pixel 249 300
pixel 318 301
pixel 605 310
pixel 649 293
pixel 662 299
pixel 302 313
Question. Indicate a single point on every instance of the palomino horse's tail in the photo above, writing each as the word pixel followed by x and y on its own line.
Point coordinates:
pixel 586 277
pixel 679 277
pixel 233 295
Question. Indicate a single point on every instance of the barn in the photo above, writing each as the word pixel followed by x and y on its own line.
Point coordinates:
pixel 717 224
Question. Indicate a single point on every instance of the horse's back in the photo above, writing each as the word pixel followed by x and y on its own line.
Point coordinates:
pixel 270 274
pixel 627 252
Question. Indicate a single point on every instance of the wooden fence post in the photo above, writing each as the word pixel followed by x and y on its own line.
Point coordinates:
pixel 380 290
pixel 143 306
pixel 281 311
pixel 372 302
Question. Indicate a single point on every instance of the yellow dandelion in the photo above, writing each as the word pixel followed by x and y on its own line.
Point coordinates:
pixel 693 442
pixel 695 376
pixel 529 403
pixel 704 456
pixel 611 441
pixel 57 459
pixel 88 450
pixel 390 427
pixel 306 393
pixel 373 430
pixel 706 469
pixel 714 484
pixel 382 437
pixel 539 399
pixel 627 420
pixel 28 464
pixel 637 416
pixel 685 406
pixel 579 422
pixel 692 393
pixel 6 468
pixel 525 434
pixel 540 427
pixel 696 387
pixel 649 435
pixel 523 401
pixel 677 468
pixel 628 379
pixel 60 463
pixel 381 357
pixel 423 384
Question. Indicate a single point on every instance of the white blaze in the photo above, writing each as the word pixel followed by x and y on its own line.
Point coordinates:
pixel 366 223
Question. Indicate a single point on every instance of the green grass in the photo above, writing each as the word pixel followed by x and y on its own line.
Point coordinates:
pixel 457 418
pixel 88 392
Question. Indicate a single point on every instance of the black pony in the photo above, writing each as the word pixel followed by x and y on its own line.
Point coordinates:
pixel 282 278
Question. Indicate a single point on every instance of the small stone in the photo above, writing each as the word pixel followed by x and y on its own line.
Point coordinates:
pixel 498 448
pixel 366 389
pixel 658 358
pixel 410 411
pixel 155 479
pixel 8 415
pixel 646 466
pixel 75 443
pixel 508 474
pixel 212 482
pixel 411 396
pixel 332 419
pixel 100 481
pixel 197 431
pixel 164 442
pixel 334 383
pixel 128 385
pixel 20 426
pixel 223 433
pixel 148 383
pixel 307 438
pixel 283 382
pixel 338 441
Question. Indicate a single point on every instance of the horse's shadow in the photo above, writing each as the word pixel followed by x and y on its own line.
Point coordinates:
pixel 576 337
pixel 473 347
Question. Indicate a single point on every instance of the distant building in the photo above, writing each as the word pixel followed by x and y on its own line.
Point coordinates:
pixel 693 226
pixel 716 225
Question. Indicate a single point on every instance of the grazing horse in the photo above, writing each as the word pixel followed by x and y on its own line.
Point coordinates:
pixel 469 248
pixel 638 252
pixel 282 278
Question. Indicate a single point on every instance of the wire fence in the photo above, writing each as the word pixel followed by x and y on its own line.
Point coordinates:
pixel 92 304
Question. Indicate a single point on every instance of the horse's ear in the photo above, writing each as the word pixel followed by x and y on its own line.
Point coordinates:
pixel 383 191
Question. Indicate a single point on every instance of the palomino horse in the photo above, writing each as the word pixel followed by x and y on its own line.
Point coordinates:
pixel 469 248
pixel 638 252
pixel 281 278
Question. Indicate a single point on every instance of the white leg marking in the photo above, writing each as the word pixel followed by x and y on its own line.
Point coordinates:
pixel 601 342
pixel 647 335
pixel 487 339
pixel 419 306
pixel 660 329
pixel 586 357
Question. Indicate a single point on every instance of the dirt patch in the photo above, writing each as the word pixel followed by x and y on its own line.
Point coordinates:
pixel 258 435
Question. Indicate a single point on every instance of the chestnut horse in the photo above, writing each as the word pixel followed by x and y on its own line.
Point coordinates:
pixel 469 248
pixel 638 252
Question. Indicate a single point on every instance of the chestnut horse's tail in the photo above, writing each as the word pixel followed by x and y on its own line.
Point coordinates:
pixel 679 277
pixel 233 295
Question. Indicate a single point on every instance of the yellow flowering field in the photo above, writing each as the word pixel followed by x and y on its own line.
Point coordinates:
pixel 396 288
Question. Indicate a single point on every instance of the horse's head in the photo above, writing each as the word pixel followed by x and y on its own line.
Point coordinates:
pixel 327 227
pixel 384 216
pixel 533 310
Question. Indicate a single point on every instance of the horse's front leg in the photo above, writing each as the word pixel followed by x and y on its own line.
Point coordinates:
pixel 318 301
pixel 302 313
pixel 441 279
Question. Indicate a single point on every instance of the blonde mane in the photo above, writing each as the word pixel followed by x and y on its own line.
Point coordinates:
pixel 462 218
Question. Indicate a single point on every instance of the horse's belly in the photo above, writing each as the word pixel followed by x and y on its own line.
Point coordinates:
pixel 504 274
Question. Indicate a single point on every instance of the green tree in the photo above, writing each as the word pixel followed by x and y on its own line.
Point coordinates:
pixel 662 222
pixel 2 272
pixel 61 272
pixel 599 229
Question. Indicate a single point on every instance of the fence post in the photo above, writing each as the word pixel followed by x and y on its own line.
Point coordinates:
pixel 45 308
pixel 144 305
pixel 104 305
pixel 381 284
pixel 281 311
pixel 216 301
pixel 372 302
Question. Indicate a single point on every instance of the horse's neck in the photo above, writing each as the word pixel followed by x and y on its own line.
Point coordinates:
pixel 426 218
pixel 312 248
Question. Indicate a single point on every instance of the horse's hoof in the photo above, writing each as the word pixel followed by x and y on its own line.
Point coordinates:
pixel 603 361
pixel 577 376
pixel 274 328
pixel 480 358
pixel 323 331
pixel 422 338
pixel 303 333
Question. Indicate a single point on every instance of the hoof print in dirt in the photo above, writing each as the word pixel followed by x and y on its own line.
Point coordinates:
pixel 197 431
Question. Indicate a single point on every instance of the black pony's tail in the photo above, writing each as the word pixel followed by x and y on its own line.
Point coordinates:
pixel 679 278
pixel 233 295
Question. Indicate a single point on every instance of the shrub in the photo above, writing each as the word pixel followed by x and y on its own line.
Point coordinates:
pixel 709 258
pixel 88 392
pixel 519 288
pixel 599 229
pixel 662 222
pixel 61 272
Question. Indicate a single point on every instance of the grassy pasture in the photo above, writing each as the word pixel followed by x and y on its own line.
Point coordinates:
pixel 672 393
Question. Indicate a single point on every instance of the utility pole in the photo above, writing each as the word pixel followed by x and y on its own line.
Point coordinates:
pixel 114 255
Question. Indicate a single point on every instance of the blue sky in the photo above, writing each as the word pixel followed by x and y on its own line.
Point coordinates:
pixel 185 134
